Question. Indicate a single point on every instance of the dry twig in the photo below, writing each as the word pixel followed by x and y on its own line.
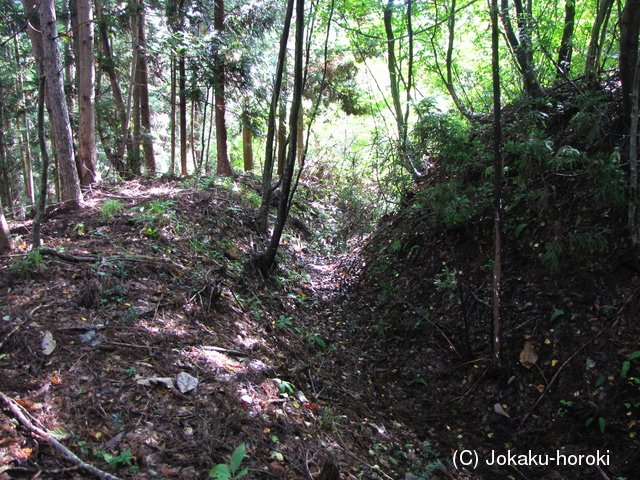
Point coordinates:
pixel 23 417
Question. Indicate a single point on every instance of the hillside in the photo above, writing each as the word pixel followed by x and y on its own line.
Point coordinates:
pixel 146 342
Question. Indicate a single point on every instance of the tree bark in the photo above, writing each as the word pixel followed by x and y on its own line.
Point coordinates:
pixel 5 238
pixel 23 125
pixel 629 29
pixel 247 140
pixel 497 184
pixel 592 62
pixel 142 80
pixel 125 143
pixel 268 259
pixel 182 74
pixel 566 44
pixel 172 159
pixel 521 46
pixel 267 173
pixel 49 58
pixel 224 165
pixel 86 93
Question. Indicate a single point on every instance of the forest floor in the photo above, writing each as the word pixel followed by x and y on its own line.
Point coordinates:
pixel 143 339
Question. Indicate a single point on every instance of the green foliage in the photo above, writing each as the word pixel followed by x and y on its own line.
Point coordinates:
pixel 283 321
pixel 449 203
pixel 123 459
pixel 442 138
pixel 223 471
pixel 111 208
pixel 27 266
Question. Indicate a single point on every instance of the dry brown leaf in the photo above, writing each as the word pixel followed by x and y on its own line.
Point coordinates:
pixel 528 355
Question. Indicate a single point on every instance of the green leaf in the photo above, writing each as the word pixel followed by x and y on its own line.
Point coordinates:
pixel 220 471
pixel 236 457
pixel 602 424
pixel 243 472
pixel 625 368
pixel 634 355
pixel 519 229
pixel 556 314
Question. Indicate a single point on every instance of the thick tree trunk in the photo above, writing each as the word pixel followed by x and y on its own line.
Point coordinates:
pixel 58 113
pixel 224 165
pixel 5 239
pixel 86 93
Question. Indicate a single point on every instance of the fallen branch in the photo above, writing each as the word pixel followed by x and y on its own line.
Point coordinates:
pixel 67 257
pixel 68 454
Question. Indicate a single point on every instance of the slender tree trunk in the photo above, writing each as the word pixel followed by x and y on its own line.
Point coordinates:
pixel 521 46
pixel 86 93
pixel 629 29
pixel 300 137
pixel 247 140
pixel 42 195
pixel 183 113
pixel 269 257
pixel 592 62
pixel 282 137
pixel 566 44
pixel 59 115
pixel 192 135
pixel 392 66
pixel 23 125
pixel 497 183
pixel 143 92
pixel 633 161
pixel 125 144
pixel 267 174
pixel 172 125
pixel 224 165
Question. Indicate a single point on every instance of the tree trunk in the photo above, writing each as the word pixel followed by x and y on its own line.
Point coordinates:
pixel 629 28
pixel 142 77
pixel 247 140
pixel 267 173
pixel 497 183
pixel 224 165
pixel 42 195
pixel 633 161
pixel 58 113
pixel 269 257
pixel 172 124
pixel 5 237
pixel 592 62
pixel 23 126
pixel 183 112
pixel 108 66
pixel 566 44
pixel 86 93
pixel 521 46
